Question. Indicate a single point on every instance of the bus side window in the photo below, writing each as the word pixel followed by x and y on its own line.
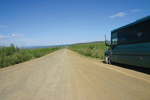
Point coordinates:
pixel 122 36
pixel 146 31
pixel 121 41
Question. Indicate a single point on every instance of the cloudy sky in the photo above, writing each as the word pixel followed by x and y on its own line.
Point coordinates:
pixel 56 22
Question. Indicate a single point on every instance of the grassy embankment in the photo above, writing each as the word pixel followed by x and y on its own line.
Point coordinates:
pixel 13 55
pixel 95 50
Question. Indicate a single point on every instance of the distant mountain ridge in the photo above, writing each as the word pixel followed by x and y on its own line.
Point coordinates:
pixel 35 47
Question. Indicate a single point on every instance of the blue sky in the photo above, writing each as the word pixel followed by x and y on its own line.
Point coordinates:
pixel 56 22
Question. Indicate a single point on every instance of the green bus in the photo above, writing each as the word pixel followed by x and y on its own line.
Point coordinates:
pixel 130 44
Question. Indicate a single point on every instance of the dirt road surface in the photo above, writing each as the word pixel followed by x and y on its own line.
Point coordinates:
pixel 66 75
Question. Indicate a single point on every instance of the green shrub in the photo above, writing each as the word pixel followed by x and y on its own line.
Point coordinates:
pixel 11 55
pixel 95 50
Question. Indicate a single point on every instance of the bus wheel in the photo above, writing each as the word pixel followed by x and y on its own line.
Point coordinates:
pixel 107 60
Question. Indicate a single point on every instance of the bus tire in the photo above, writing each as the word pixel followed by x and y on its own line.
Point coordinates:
pixel 107 60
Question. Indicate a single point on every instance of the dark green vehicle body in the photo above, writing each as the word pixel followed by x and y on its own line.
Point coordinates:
pixel 130 44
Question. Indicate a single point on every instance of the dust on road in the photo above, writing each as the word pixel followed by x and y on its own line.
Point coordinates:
pixel 66 75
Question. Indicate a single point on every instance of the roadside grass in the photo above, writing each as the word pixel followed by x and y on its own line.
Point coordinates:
pixel 13 55
pixel 95 50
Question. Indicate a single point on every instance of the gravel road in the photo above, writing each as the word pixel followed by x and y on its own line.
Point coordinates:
pixel 66 75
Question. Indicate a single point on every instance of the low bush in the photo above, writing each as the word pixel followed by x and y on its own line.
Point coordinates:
pixel 95 50
pixel 13 55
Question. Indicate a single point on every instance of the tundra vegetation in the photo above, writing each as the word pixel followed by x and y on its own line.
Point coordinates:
pixel 95 50
pixel 13 55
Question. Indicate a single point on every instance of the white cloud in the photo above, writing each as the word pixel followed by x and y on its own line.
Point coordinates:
pixel 136 10
pixel 2 36
pixel 13 35
pixel 3 26
pixel 18 35
pixel 69 23
pixel 120 14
